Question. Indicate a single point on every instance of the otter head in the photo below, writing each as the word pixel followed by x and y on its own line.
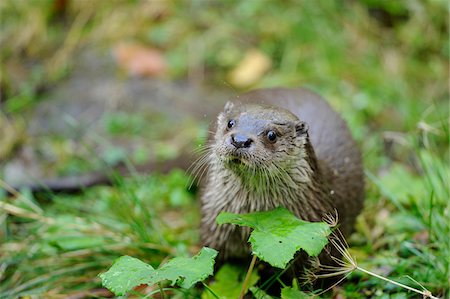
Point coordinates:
pixel 253 138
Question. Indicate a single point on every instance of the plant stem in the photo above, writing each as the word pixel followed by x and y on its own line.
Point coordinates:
pixel 211 291
pixel 425 293
pixel 247 277
pixel 163 295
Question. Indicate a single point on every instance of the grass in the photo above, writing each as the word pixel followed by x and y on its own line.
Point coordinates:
pixel 411 243
pixel 75 237
pixel 388 76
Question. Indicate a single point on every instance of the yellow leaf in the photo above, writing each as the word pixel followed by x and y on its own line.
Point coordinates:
pixel 251 68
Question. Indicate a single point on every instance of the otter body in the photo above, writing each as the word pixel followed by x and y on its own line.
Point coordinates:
pixel 279 147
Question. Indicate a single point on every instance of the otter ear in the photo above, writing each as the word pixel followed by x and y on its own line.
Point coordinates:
pixel 228 107
pixel 301 128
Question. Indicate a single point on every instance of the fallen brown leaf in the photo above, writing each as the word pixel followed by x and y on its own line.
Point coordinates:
pixel 140 60
pixel 422 237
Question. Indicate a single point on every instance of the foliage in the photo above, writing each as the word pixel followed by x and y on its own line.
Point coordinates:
pixel 227 282
pixel 277 235
pixel 128 273
pixel 416 229
pixel 259 294
pixel 291 293
pixel 78 236
pixel 276 231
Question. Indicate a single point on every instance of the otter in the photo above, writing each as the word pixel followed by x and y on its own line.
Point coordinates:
pixel 271 147
pixel 279 147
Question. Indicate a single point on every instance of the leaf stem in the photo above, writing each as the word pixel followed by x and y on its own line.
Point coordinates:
pixel 247 277
pixel 211 291
pixel 425 293
pixel 163 295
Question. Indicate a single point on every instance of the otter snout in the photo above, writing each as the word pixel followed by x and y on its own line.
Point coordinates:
pixel 240 141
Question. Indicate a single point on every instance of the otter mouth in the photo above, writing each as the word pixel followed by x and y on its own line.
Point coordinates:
pixel 235 161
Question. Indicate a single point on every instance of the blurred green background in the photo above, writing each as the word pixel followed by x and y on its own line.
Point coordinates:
pixel 87 84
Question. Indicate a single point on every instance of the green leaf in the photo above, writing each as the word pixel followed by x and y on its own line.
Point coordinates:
pixel 291 293
pixel 277 235
pixel 187 271
pixel 228 281
pixel 260 294
pixel 126 273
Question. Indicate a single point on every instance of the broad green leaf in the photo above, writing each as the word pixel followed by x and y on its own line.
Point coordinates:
pixel 187 271
pixel 228 281
pixel 277 235
pixel 291 293
pixel 126 273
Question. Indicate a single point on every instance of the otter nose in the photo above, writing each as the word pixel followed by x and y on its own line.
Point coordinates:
pixel 240 141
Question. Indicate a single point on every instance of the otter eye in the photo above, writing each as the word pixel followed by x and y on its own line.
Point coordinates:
pixel 231 124
pixel 272 136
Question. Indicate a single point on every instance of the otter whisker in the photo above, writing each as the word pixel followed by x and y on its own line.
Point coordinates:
pixel 197 164
pixel 205 169
pixel 198 167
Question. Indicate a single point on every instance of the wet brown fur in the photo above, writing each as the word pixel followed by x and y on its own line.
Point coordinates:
pixel 313 168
